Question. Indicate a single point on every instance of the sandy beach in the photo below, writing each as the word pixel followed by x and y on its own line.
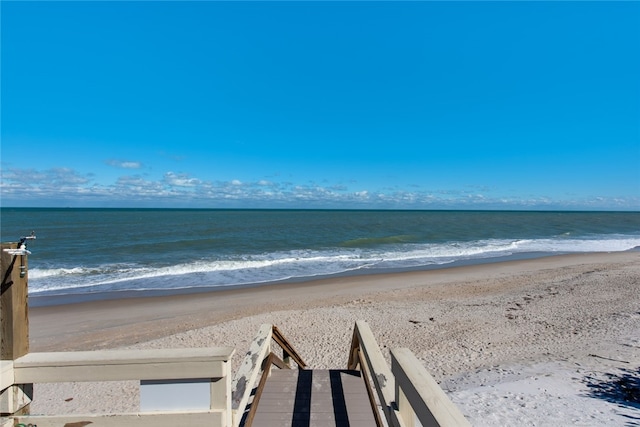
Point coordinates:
pixel 548 341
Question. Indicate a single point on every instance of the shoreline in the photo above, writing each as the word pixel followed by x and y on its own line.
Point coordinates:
pixel 46 299
pixel 107 323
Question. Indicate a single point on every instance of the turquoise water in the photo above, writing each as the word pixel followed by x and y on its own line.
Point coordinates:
pixel 83 251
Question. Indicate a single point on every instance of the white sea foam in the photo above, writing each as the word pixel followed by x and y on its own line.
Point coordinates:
pixel 277 266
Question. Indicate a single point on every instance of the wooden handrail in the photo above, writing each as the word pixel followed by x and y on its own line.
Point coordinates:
pixel 366 373
pixel 114 365
pixel 169 366
pixel 418 394
pixel 248 372
pixel 272 359
pixel 365 352
pixel 258 360
pixel 287 348
pixel 406 390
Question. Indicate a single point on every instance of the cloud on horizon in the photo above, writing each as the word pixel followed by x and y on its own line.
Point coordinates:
pixel 67 187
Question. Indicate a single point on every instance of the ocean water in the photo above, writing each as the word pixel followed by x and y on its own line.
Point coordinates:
pixel 115 251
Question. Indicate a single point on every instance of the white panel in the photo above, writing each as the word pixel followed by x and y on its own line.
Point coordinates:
pixel 180 395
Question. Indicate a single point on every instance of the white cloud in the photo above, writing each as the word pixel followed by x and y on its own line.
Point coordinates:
pixel 139 186
pixel 64 186
pixel 124 164
pixel 180 180
pixel 51 178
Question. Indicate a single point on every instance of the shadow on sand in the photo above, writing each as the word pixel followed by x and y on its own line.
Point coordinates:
pixel 622 389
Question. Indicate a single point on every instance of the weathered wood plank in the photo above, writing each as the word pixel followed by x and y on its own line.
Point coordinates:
pixel 6 374
pixel 266 372
pixel 293 397
pixel 316 403
pixel 113 365
pixel 14 312
pixel 141 357
pixel 429 402
pixel 366 375
pixel 221 395
pixel 14 326
pixel 312 416
pixel 379 370
pixel 249 370
pixel 406 411
pixel 314 420
pixel 213 418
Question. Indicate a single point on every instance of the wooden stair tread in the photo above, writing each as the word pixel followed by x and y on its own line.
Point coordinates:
pixel 319 397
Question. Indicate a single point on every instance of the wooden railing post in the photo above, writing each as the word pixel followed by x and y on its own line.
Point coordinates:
pixel 13 305
pixel 419 395
pixel 14 325
pixel 221 394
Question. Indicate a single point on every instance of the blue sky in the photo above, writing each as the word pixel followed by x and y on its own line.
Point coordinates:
pixel 412 105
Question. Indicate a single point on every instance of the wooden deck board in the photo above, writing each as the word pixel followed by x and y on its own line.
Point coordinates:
pixel 314 398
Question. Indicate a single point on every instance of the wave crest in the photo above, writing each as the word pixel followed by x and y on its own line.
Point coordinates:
pixel 364 255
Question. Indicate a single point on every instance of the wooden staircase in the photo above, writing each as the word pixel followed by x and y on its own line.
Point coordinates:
pixel 314 397
pixel 367 393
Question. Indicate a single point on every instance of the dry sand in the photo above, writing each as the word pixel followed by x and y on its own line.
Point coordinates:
pixel 549 341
